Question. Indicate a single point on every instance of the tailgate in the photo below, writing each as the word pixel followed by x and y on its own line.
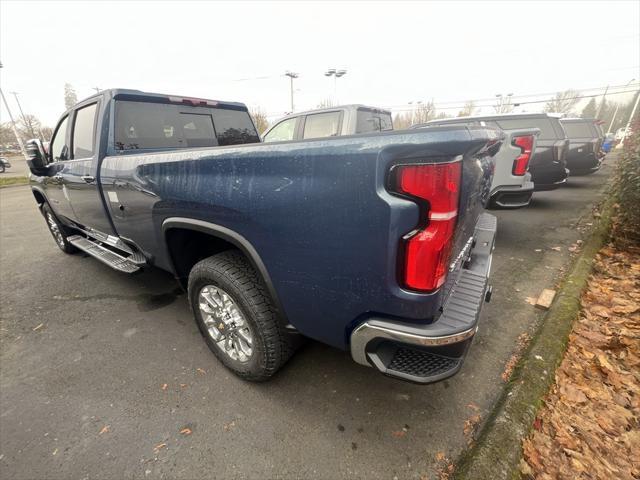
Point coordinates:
pixel 477 176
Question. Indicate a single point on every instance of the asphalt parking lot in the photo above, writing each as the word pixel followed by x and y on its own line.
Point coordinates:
pixel 100 372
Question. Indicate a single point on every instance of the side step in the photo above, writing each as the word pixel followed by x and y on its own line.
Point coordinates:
pixel 115 261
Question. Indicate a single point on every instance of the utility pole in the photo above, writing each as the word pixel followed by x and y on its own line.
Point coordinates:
pixel 24 119
pixel 291 76
pixel 633 112
pixel 615 113
pixel 13 125
pixel 602 102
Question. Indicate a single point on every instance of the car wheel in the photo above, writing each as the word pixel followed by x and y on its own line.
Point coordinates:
pixel 58 231
pixel 237 317
pixel 2 168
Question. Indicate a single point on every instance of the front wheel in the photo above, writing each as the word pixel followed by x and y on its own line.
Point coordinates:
pixel 57 230
pixel 237 317
pixel 2 167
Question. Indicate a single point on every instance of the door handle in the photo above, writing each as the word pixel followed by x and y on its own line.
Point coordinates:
pixel 88 178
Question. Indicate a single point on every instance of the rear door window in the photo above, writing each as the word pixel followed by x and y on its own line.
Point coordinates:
pixel 320 125
pixel 84 129
pixel 369 120
pixel 147 125
pixel 282 132
pixel 544 124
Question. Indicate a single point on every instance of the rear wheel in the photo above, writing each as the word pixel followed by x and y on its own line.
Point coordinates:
pixel 58 231
pixel 2 168
pixel 237 317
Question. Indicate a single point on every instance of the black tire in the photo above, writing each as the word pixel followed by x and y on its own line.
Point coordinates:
pixel 271 344
pixel 60 235
pixel 2 168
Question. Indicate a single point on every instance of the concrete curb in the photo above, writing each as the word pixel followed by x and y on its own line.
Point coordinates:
pixel 498 450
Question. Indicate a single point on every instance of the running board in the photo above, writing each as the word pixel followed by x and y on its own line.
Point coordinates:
pixel 117 262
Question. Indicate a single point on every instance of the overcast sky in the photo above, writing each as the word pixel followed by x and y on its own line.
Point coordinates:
pixel 394 53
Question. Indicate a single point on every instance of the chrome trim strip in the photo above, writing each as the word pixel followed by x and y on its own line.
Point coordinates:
pixel 366 332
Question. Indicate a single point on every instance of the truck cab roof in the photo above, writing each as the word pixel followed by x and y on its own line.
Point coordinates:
pixel 139 95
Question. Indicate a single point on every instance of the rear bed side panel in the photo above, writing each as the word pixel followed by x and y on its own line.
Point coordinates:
pixel 316 212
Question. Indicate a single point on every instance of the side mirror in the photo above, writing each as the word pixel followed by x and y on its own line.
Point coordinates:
pixel 36 157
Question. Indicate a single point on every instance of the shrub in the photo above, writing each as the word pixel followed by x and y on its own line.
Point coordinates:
pixel 627 186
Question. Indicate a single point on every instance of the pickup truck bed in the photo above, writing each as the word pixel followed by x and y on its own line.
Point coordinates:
pixel 321 224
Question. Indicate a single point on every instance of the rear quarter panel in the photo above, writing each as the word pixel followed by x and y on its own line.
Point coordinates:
pixel 317 212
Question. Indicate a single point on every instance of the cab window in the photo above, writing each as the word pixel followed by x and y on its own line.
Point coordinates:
pixel 59 149
pixel 282 132
pixel 84 131
pixel 321 125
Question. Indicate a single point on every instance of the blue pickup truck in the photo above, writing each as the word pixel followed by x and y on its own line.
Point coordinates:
pixel 375 243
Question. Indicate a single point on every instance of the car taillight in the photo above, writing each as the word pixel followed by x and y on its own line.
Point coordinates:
pixel 427 250
pixel 521 163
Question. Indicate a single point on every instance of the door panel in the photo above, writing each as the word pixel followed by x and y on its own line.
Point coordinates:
pixel 53 183
pixel 80 178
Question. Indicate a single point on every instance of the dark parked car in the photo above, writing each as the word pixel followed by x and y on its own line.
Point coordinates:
pixel 548 165
pixel 584 155
pixel 375 243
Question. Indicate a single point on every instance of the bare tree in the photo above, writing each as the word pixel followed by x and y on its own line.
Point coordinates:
pixel 326 103
pixel 468 109
pixel 259 119
pixel 563 102
pixel 28 126
pixel 46 133
pixel 421 113
pixel 70 97
pixel 424 112
pixel 6 134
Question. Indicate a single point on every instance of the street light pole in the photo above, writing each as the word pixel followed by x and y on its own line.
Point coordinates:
pixel 291 76
pixel 335 73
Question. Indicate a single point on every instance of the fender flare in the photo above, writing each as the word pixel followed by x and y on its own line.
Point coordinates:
pixel 232 237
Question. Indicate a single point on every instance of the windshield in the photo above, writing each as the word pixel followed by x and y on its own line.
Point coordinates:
pixel 578 129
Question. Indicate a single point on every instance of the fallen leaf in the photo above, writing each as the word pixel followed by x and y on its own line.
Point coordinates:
pixel 440 456
pixel 228 426
pixel 186 431
pixel 164 386
pixel 159 447
pixel 104 429
pixel 556 249
pixel 201 371
pixel 531 300
pixel 473 406
pixel 399 433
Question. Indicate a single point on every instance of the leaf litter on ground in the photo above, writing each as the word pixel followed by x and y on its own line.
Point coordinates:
pixel 589 425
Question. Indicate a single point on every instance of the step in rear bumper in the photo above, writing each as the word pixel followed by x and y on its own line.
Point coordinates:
pixel 432 352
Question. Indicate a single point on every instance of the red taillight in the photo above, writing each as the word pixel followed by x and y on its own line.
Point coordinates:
pixel 427 250
pixel 521 163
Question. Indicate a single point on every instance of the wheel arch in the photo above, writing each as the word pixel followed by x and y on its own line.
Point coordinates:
pixel 221 234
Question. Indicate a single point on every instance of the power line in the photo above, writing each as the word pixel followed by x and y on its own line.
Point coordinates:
pixel 527 95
